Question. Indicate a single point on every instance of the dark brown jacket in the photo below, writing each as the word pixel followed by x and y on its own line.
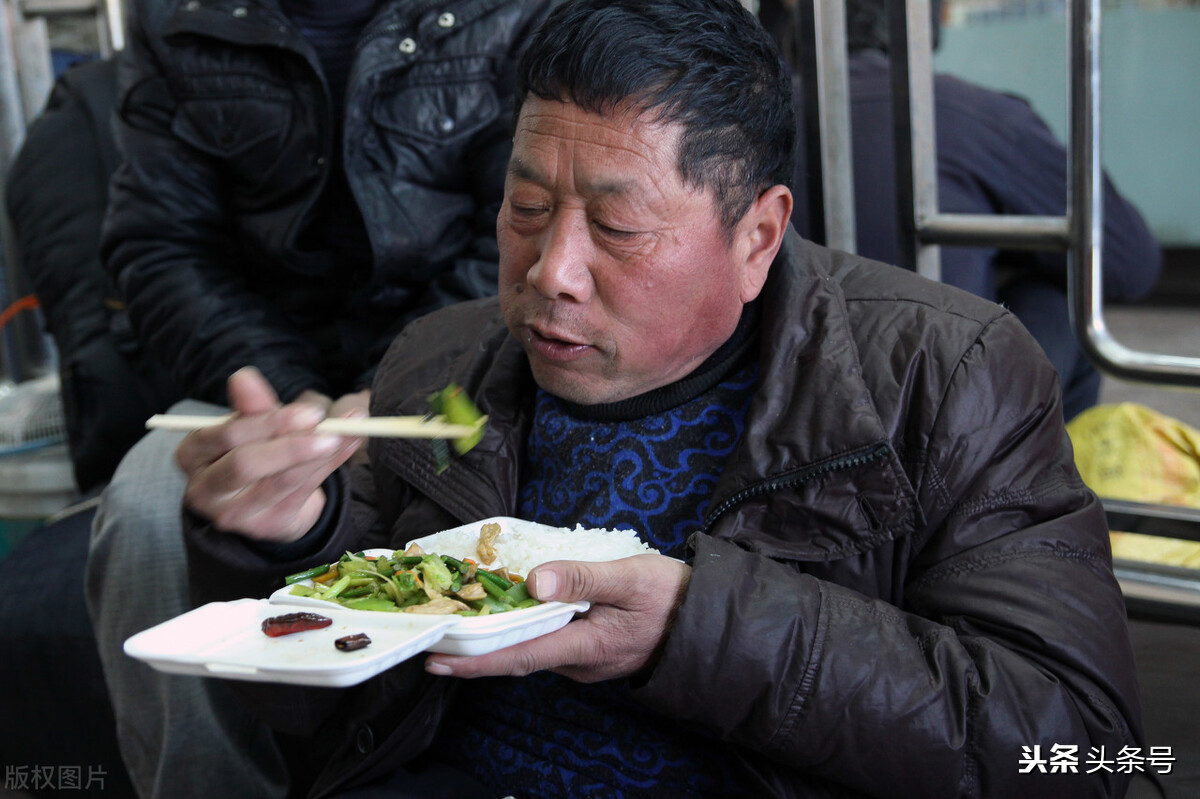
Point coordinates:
pixel 902 581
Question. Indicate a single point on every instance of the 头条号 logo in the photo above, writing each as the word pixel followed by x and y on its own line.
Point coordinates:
pixel 1066 759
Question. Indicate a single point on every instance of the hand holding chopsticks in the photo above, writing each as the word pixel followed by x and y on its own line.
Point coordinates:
pixel 258 473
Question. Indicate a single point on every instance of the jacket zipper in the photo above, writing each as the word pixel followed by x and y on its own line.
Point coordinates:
pixel 770 485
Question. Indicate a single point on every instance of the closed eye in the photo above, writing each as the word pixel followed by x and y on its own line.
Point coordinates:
pixel 527 211
pixel 614 233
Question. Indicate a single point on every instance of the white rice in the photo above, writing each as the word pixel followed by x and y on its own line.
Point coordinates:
pixel 522 545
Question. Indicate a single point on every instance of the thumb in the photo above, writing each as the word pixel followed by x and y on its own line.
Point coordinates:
pixel 571 581
pixel 250 393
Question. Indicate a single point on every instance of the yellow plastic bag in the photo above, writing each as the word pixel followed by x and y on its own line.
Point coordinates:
pixel 1131 452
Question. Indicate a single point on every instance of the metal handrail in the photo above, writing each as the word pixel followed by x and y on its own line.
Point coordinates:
pixel 1174 521
pixel 1084 265
pixel 1080 232
pixel 1011 232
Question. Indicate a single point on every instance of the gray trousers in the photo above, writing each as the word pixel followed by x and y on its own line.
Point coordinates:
pixel 180 736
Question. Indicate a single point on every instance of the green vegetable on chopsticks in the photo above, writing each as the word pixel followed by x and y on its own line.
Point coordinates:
pixel 454 404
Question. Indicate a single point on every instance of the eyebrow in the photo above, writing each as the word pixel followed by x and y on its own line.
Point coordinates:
pixel 523 171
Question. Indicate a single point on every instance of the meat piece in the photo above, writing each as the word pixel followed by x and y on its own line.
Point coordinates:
pixel 442 606
pixel 290 623
pixel 472 591
pixel 350 643
pixel 486 549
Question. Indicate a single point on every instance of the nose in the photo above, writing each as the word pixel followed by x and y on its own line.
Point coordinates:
pixel 561 270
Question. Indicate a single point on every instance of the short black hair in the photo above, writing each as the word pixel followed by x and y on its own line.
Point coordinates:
pixel 705 64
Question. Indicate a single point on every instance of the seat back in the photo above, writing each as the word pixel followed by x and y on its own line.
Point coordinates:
pixel 56 194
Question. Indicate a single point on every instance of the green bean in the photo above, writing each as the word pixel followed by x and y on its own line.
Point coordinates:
pixel 455 563
pixel 495 585
pixel 499 580
pixel 518 593
pixel 308 574
pixel 489 602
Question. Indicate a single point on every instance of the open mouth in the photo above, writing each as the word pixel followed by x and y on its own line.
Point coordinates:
pixel 553 348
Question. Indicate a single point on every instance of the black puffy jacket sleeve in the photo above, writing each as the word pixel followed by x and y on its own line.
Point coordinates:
pixel 169 245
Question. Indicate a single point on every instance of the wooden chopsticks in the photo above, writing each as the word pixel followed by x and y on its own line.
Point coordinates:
pixel 374 427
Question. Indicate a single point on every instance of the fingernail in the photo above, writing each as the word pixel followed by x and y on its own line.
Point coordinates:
pixel 326 443
pixel 544 584
pixel 309 415
pixel 438 668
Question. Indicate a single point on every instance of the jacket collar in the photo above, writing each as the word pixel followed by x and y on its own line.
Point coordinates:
pixel 813 422
pixel 808 362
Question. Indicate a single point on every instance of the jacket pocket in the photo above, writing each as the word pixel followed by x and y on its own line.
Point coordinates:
pixel 228 115
pixel 441 102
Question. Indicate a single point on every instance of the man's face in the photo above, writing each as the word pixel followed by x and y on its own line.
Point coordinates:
pixel 615 276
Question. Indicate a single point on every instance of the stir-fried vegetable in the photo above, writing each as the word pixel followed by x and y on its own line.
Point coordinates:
pixel 454 404
pixel 413 582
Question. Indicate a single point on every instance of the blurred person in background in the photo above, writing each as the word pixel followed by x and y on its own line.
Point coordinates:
pixel 995 155
pixel 299 180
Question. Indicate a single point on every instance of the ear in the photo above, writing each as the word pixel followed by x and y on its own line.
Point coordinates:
pixel 759 235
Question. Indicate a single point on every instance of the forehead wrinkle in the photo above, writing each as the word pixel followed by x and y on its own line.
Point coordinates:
pixel 522 170
pixel 626 143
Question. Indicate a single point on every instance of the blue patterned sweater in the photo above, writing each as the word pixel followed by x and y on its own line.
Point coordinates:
pixel 649 464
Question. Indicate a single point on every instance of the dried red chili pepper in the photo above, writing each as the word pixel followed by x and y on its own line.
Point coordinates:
pixel 353 642
pixel 294 623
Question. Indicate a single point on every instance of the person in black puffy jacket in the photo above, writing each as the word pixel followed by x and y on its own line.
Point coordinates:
pixel 299 180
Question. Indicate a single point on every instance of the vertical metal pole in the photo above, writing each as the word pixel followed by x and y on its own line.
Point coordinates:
pixel 833 98
pixel 36 73
pixel 809 119
pixel 1084 202
pixel 12 113
pixel 114 17
pixel 12 131
pixel 910 45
